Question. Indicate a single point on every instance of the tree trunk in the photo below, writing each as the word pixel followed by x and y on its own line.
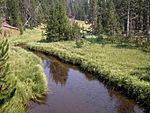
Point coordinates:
pixel 128 20
pixel 148 22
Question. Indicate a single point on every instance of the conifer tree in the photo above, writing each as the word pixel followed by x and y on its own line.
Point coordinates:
pixel 7 89
pixel 14 14
pixel 57 23
pixel 107 18
pixel 93 11
pixel 99 27
pixel 1 10
pixel 112 20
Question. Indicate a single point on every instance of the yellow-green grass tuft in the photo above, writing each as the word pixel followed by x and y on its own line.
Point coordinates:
pixel 31 81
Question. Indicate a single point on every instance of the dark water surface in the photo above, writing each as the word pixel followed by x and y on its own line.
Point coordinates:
pixel 76 92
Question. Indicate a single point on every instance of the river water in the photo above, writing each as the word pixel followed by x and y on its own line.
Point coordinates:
pixel 72 91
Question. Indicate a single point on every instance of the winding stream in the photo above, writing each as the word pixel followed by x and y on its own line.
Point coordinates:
pixel 73 91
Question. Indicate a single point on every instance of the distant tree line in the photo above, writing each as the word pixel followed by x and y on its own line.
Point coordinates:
pixel 22 13
pixel 113 17
pixel 79 9
pixel 129 17
pixel 110 17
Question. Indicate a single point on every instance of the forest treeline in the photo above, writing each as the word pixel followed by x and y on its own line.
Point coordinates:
pixel 128 17
pixel 110 17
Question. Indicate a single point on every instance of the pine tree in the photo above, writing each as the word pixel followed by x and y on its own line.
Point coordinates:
pixel 107 18
pixel 57 23
pixel 1 11
pixel 13 13
pixel 75 31
pixel 99 27
pixel 7 90
pixel 93 11
pixel 112 20
pixel 78 9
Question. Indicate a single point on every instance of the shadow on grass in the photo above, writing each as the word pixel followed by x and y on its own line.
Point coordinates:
pixel 145 48
pixel 119 44
pixel 48 41
pixel 114 43
pixel 9 97
pixel 142 73
pixel 51 41
pixel 131 44
pixel 125 45
pixel 43 41
pixel 99 41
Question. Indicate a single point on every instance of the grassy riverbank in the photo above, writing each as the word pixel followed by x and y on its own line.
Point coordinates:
pixel 30 80
pixel 127 69
pixel 124 68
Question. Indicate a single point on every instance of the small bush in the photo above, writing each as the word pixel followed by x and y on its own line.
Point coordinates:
pixel 79 43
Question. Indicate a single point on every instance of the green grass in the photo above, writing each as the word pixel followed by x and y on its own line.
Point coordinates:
pixel 124 68
pixel 28 36
pixel 112 64
pixel 31 82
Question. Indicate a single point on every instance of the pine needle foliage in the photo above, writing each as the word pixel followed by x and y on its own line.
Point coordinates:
pixel 7 89
pixel 58 27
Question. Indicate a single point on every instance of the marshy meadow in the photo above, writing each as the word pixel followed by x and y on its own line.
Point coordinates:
pixel 74 56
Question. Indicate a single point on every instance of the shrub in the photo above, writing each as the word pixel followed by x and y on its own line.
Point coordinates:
pixel 79 43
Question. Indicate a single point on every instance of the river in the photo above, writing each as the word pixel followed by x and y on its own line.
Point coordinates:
pixel 73 91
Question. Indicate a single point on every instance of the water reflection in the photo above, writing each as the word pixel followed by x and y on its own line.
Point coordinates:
pixel 123 104
pixel 59 73
pixel 77 92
